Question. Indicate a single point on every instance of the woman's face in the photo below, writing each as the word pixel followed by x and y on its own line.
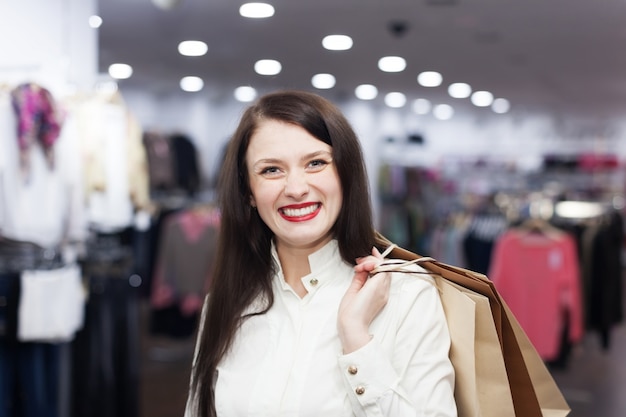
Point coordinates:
pixel 294 184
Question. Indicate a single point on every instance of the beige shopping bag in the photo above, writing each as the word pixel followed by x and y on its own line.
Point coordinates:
pixel 533 390
pixel 481 383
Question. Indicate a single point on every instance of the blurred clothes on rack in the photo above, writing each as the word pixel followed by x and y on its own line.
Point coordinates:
pixel 115 177
pixel 44 204
pixel 32 382
pixel 173 163
pixel 38 121
pixel 182 271
pixel 536 270
pixel 482 233
pixel 105 352
pixel 601 251
pixel 51 305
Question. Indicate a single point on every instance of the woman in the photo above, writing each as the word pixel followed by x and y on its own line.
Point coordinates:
pixel 294 324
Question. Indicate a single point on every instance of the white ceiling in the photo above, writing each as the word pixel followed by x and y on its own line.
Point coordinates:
pixel 552 57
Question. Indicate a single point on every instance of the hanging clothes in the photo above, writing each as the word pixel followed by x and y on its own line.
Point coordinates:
pixel 159 153
pixel 106 352
pixel 32 382
pixel 43 205
pixel 115 177
pixel 186 166
pixel 538 276
pixel 38 122
pixel 481 235
pixel 182 272
pixel 601 250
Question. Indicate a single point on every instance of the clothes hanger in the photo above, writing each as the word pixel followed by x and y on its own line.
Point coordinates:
pixel 541 226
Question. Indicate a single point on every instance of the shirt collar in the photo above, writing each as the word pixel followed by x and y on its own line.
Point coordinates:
pixel 325 264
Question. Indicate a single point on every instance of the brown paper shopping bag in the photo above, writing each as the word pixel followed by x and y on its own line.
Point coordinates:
pixel 481 382
pixel 533 391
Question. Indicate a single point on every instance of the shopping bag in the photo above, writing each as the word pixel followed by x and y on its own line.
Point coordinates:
pixel 533 391
pixel 481 381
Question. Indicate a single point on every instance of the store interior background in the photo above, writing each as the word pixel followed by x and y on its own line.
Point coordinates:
pixel 559 64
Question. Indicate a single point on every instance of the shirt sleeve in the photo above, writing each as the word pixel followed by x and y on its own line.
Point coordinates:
pixel 414 377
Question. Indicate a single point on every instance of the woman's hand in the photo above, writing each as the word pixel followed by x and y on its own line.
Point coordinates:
pixel 364 299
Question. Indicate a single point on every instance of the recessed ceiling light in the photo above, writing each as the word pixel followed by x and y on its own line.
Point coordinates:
pixel 500 105
pixel 267 67
pixel 366 92
pixel 120 71
pixel 421 106
pixel 337 42
pixel 245 94
pixel 459 90
pixel 429 79
pixel 192 48
pixel 323 81
pixel 443 111
pixel 166 4
pixel 191 84
pixel 391 64
pixel 482 98
pixel 256 10
pixel 95 21
pixel 395 99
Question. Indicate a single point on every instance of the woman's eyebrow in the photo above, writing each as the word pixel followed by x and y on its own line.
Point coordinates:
pixel 317 154
pixel 304 158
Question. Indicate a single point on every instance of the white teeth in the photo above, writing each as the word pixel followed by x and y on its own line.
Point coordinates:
pixel 300 212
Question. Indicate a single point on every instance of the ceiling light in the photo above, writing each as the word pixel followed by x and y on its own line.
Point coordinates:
pixel 421 106
pixel 500 105
pixel 245 94
pixel 95 21
pixel 482 98
pixel 395 100
pixel 267 67
pixel 256 10
pixel 366 92
pixel 120 71
pixel 192 48
pixel 166 4
pixel 429 79
pixel 337 42
pixel 191 84
pixel 391 64
pixel 459 90
pixel 323 81
pixel 578 209
pixel 443 111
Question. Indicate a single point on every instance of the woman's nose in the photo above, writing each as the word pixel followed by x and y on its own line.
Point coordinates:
pixel 296 185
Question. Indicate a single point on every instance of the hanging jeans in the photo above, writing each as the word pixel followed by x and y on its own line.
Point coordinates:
pixel 106 351
pixel 29 372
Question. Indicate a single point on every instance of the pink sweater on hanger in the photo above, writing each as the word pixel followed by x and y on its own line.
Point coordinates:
pixel 537 275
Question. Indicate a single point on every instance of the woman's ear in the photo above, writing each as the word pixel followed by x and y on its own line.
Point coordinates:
pixel 252 202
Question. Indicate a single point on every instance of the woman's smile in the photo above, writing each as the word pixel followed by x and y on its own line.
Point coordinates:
pixel 300 212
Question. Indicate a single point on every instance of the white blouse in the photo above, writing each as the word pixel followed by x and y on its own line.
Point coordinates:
pixel 289 362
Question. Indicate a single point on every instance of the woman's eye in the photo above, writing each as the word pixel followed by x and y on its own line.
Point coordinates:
pixel 318 164
pixel 270 171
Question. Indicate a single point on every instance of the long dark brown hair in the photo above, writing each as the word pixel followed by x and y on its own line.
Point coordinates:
pixel 244 267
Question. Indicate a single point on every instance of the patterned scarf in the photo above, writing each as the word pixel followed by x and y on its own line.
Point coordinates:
pixel 37 122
